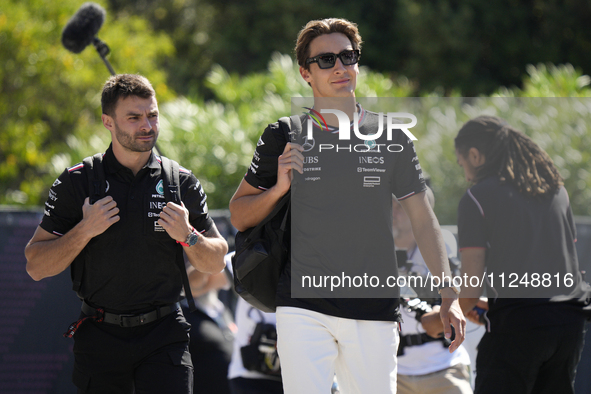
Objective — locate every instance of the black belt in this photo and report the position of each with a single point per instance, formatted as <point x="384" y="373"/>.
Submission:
<point x="417" y="339"/>
<point x="131" y="320"/>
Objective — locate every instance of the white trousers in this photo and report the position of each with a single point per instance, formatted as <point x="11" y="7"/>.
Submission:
<point x="313" y="346"/>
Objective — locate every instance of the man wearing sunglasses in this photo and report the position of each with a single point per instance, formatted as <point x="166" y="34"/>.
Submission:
<point x="355" y="337"/>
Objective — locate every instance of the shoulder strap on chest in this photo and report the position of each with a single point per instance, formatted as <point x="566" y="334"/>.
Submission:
<point x="170" y="180"/>
<point x="95" y="172"/>
<point x="97" y="186"/>
<point x="291" y="126"/>
<point x="172" y="193"/>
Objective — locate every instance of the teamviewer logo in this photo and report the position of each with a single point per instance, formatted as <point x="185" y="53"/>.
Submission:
<point x="371" y="181"/>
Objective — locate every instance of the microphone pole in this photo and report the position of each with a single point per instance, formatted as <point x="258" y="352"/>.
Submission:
<point x="82" y="29"/>
<point x="103" y="50"/>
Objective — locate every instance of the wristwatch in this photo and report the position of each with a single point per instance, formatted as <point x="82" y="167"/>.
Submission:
<point x="192" y="238"/>
<point x="449" y="284"/>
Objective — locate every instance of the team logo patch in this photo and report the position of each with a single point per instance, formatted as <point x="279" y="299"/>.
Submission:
<point x="371" y="181"/>
<point x="370" y="144"/>
<point x="308" y="144"/>
<point x="160" y="188"/>
<point x="57" y="182"/>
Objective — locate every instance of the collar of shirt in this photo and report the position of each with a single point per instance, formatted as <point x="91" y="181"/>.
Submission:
<point x="113" y="166"/>
<point x="334" y="130"/>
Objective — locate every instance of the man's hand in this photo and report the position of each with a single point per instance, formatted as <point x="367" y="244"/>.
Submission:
<point x="473" y="315"/>
<point x="174" y="219"/>
<point x="290" y="159"/>
<point x="451" y="313"/>
<point x="431" y="322"/>
<point x="98" y="217"/>
<point x="207" y="255"/>
<point x="49" y="254"/>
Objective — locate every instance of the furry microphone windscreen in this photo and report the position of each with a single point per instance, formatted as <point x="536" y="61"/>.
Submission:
<point x="83" y="27"/>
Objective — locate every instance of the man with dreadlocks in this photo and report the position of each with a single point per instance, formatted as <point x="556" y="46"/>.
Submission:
<point x="516" y="220"/>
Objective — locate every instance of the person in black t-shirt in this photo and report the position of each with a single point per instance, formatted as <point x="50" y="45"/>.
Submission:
<point x="341" y="217"/>
<point x="516" y="222"/>
<point x="131" y="336"/>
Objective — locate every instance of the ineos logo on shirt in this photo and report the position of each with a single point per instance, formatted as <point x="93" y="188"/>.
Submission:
<point x="157" y="204"/>
<point x="371" y="160"/>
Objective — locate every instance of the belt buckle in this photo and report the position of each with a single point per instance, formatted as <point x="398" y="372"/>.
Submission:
<point x="123" y="318"/>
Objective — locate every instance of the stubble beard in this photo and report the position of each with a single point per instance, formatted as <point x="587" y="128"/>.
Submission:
<point x="131" y="144"/>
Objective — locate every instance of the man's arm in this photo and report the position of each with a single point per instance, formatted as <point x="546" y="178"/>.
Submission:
<point x="430" y="241"/>
<point x="203" y="283"/>
<point x="473" y="260"/>
<point x="49" y="254"/>
<point x="250" y="205"/>
<point x="207" y="255"/>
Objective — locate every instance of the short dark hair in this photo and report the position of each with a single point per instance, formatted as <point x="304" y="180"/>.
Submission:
<point x="509" y="154"/>
<point x="122" y="86"/>
<point x="320" y="27"/>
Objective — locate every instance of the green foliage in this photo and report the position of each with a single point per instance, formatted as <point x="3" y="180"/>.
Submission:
<point x="476" y="46"/>
<point x="555" y="81"/>
<point x="50" y="98"/>
<point x="471" y="46"/>
<point x="560" y="125"/>
<point x="189" y="24"/>
<point x="216" y="139"/>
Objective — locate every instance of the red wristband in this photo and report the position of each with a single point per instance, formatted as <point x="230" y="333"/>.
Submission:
<point x="183" y="243"/>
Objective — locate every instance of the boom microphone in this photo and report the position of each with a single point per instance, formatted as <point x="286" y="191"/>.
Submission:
<point x="81" y="29"/>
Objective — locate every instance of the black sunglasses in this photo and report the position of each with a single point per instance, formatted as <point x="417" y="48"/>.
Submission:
<point x="327" y="60"/>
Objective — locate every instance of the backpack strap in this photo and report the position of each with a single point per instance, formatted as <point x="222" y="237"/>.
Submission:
<point x="171" y="185"/>
<point x="97" y="186"/>
<point x="292" y="127"/>
<point x="96" y="177"/>
<point x="170" y="180"/>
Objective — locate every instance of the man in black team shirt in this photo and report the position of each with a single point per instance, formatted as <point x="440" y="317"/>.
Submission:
<point x="516" y="221"/>
<point x="337" y="193"/>
<point x="131" y="336"/>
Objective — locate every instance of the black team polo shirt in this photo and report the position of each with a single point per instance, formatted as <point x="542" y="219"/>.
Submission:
<point x="131" y="266"/>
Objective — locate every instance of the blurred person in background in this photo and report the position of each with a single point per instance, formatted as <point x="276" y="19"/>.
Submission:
<point x="212" y="332"/>
<point x="259" y="372"/>
<point x="425" y="366"/>
<point x="516" y="220"/>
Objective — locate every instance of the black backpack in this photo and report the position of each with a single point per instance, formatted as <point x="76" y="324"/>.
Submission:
<point x="97" y="186"/>
<point x="262" y="251"/>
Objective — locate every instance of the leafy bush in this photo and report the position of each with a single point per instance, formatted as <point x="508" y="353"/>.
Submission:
<point x="50" y="98"/>
<point x="216" y="139"/>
